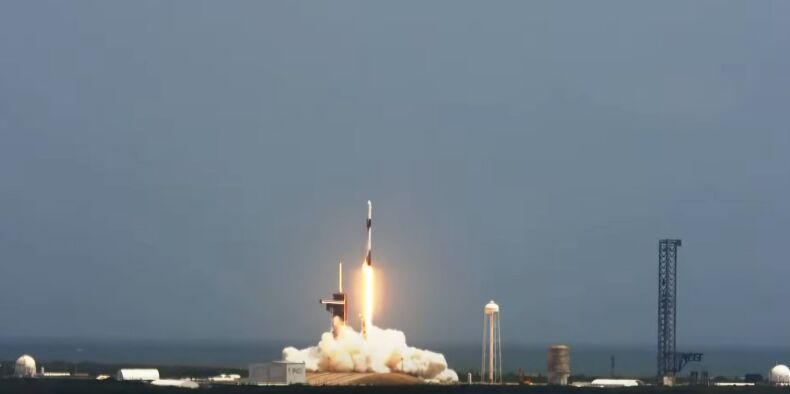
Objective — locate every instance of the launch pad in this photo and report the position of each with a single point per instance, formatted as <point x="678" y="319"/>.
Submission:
<point x="370" y="355"/>
<point x="361" y="379"/>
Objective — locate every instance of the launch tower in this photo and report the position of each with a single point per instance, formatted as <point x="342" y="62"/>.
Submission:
<point x="669" y="361"/>
<point x="338" y="305"/>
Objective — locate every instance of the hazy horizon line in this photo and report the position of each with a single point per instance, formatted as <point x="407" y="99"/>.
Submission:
<point x="5" y="340"/>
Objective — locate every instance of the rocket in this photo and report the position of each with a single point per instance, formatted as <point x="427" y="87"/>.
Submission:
<point x="367" y="270"/>
<point x="368" y="257"/>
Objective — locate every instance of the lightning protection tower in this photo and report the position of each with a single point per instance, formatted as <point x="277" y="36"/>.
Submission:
<point x="667" y="311"/>
<point x="492" y="345"/>
<point x="670" y="362"/>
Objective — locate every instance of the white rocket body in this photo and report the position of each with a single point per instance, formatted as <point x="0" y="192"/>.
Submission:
<point x="368" y="256"/>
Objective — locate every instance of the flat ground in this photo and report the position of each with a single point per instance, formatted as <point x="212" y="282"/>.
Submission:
<point x="356" y="378"/>
<point x="65" y="386"/>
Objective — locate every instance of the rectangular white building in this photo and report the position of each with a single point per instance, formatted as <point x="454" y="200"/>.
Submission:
<point x="616" y="383"/>
<point x="277" y="373"/>
<point x="140" y="374"/>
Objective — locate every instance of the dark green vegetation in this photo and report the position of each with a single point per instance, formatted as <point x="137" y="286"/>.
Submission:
<point x="52" y="386"/>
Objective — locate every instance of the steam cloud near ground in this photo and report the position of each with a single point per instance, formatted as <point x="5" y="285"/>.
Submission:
<point x="385" y="350"/>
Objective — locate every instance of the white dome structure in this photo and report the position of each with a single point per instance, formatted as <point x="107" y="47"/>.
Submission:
<point x="25" y="367"/>
<point x="779" y="375"/>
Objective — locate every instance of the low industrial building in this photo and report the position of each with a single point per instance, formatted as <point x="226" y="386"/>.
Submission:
<point x="224" y="378"/>
<point x="277" y="373"/>
<point x="44" y="374"/>
<point x="616" y="383"/>
<point x="137" y="374"/>
<point x="184" y="384"/>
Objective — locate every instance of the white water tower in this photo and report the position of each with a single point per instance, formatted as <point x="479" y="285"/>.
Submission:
<point x="492" y="345"/>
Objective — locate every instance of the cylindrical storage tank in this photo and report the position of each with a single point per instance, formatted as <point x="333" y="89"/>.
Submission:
<point x="779" y="375"/>
<point x="559" y="365"/>
<point x="25" y="367"/>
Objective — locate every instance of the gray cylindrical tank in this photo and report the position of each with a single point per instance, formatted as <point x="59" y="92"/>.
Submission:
<point x="559" y="364"/>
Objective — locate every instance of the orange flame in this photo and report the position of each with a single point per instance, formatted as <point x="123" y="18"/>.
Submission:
<point x="367" y="317"/>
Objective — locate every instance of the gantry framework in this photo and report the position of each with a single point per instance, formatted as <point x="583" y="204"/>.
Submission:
<point x="667" y="303"/>
<point x="670" y="362"/>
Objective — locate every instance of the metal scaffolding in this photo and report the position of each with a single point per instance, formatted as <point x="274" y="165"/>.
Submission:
<point x="670" y="362"/>
<point x="667" y="302"/>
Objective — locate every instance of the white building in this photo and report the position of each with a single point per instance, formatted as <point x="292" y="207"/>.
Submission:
<point x="277" y="373"/>
<point x="225" y="378"/>
<point x="55" y="374"/>
<point x="616" y="383"/>
<point x="139" y="374"/>
<point x="25" y="367"/>
<point x="779" y="375"/>
<point x="184" y="384"/>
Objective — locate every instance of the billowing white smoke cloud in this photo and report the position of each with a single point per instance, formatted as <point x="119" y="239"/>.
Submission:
<point x="385" y="350"/>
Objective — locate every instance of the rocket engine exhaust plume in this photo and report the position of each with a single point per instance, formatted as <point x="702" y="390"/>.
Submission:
<point x="373" y="349"/>
<point x="367" y="316"/>
<point x="382" y="351"/>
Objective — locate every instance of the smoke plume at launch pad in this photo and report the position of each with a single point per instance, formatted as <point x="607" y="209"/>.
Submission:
<point x="373" y="349"/>
<point x="382" y="351"/>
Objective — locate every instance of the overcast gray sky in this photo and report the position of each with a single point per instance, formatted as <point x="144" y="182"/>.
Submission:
<point x="195" y="169"/>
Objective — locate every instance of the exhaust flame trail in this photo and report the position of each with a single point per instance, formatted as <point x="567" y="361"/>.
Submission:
<point x="367" y="316"/>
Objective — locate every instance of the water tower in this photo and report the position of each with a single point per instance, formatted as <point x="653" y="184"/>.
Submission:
<point x="559" y="365"/>
<point x="492" y="345"/>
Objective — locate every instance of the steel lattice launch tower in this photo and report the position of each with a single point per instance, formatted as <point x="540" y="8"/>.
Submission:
<point x="670" y="362"/>
<point x="667" y="312"/>
<point x="338" y="305"/>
